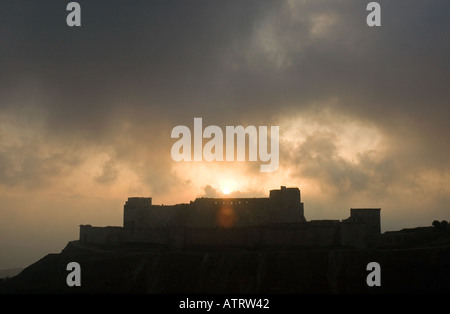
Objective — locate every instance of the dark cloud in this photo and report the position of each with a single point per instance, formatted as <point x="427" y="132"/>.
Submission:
<point x="318" y="159"/>
<point x="218" y="57"/>
<point x="109" y="173"/>
<point x="210" y="191"/>
<point x="156" y="65"/>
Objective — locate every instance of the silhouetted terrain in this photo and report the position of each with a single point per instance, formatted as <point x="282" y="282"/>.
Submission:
<point x="419" y="265"/>
<point x="5" y="273"/>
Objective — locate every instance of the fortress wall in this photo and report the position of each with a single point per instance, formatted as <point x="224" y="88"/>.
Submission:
<point x="176" y="238"/>
<point x="167" y="228"/>
<point x="151" y="235"/>
<point x="276" y="221"/>
<point x="101" y="235"/>
<point x="325" y="232"/>
<point x="301" y="235"/>
<point x="201" y="214"/>
<point x="118" y="235"/>
<point x="353" y="234"/>
<point x="238" y="212"/>
<point x="140" y="214"/>
<point x="327" y="236"/>
<point x="347" y="234"/>
<point x="260" y="214"/>
<point x="282" y="237"/>
<point x="233" y="237"/>
<point x="137" y="217"/>
<point x="291" y="214"/>
<point x="282" y="206"/>
<point x="374" y="239"/>
<point x="161" y="216"/>
<point x="394" y="238"/>
<point x="253" y="237"/>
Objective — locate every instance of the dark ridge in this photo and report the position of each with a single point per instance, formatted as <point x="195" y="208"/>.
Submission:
<point x="419" y="268"/>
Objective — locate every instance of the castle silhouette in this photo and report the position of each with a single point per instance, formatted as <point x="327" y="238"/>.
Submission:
<point x="276" y="221"/>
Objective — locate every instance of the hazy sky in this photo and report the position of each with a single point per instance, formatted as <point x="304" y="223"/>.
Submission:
<point x="86" y="113"/>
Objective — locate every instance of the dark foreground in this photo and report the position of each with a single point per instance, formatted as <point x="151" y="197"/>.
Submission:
<point x="216" y="271"/>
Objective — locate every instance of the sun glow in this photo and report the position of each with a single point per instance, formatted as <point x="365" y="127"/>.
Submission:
<point x="226" y="190"/>
<point x="227" y="187"/>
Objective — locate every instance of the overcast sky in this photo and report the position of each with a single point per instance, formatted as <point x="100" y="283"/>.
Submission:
<point x="86" y="112"/>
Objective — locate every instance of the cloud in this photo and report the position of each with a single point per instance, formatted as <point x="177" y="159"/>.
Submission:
<point x="210" y="191"/>
<point x="109" y="173"/>
<point x="86" y="114"/>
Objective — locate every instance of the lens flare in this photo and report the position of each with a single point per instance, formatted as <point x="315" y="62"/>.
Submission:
<point x="226" y="217"/>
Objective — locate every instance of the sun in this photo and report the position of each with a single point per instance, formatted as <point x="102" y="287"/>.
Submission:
<point x="227" y="186"/>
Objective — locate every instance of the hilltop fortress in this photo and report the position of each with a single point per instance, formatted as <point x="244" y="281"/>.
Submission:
<point x="276" y="221"/>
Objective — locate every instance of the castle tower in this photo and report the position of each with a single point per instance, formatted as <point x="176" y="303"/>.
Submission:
<point x="369" y="216"/>
<point x="133" y="211"/>
<point x="289" y="202"/>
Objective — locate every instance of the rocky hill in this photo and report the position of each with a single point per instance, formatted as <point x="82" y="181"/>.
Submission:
<point x="420" y="269"/>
